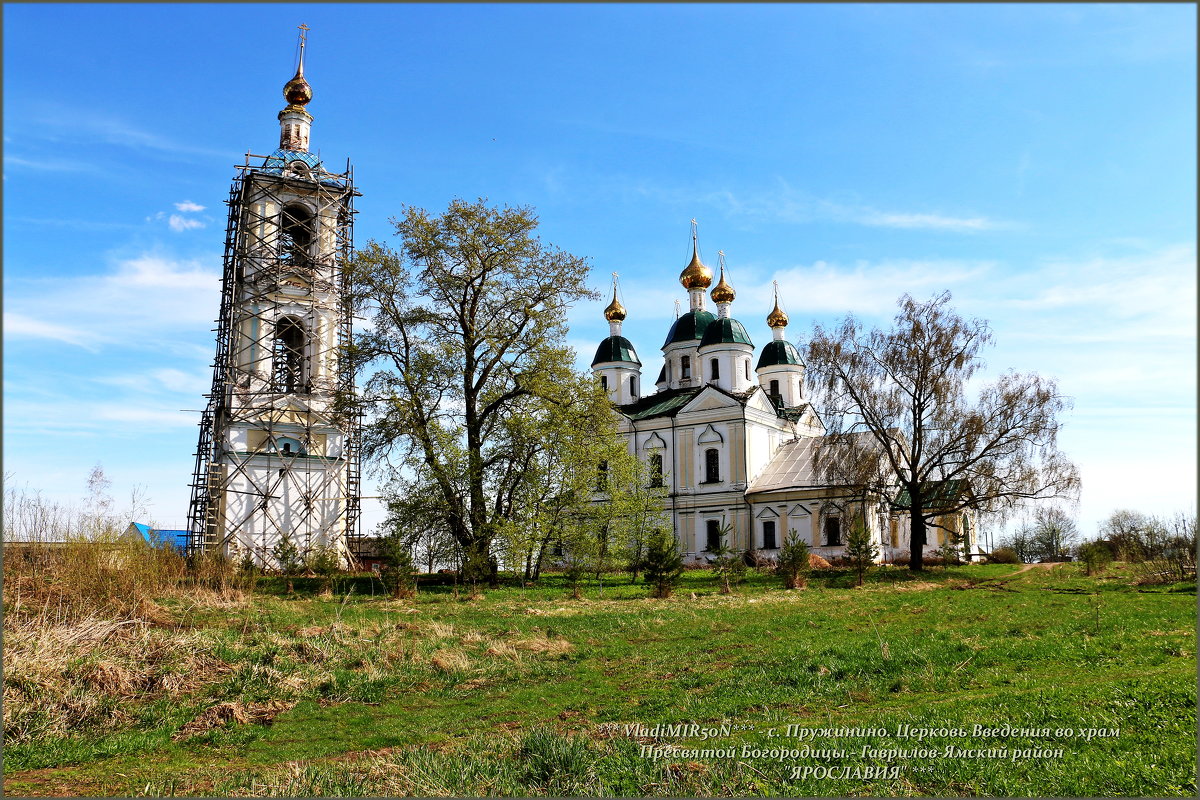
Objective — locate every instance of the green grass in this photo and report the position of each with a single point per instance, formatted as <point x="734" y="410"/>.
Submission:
<point x="523" y="691"/>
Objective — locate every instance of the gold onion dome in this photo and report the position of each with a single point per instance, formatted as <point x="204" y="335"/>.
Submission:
<point x="615" y="311"/>
<point x="696" y="275"/>
<point x="297" y="91"/>
<point x="723" y="292"/>
<point x="777" y="318"/>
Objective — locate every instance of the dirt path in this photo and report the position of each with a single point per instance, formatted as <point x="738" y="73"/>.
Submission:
<point x="1027" y="567"/>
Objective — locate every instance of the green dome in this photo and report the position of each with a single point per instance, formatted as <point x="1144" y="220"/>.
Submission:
<point x="777" y="353"/>
<point x="725" y="331"/>
<point x="689" y="326"/>
<point x="615" y="348"/>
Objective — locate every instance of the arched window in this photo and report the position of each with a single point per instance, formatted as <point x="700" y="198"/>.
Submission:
<point x="715" y="368"/>
<point x="712" y="465"/>
<point x="633" y="386"/>
<point x="287" y="355"/>
<point x="685" y="367"/>
<point x="774" y="388"/>
<point x="712" y="535"/>
<point x="296" y="228"/>
<point x="656" y="469"/>
<point x="603" y="381"/>
<point x="746" y="363"/>
<point x="602" y="476"/>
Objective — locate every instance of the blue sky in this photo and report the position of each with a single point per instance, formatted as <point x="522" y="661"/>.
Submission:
<point x="1038" y="161"/>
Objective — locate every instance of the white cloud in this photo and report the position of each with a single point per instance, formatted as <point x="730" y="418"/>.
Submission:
<point x="865" y="287"/>
<point x="179" y="224"/>
<point x="49" y="164"/>
<point x="21" y="326"/>
<point x="149" y="301"/>
<point x="784" y="203"/>
<point x="145" y="416"/>
<point x="926" y="221"/>
<point x="189" y="207"/>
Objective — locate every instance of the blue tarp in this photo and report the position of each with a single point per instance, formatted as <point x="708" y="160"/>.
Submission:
<point x="162" y="538"/>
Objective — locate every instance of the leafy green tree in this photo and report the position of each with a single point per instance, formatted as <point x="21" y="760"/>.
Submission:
<point x="861" y="551"/>
<point x="662" y="564"/>
<point x="896" y="410"/>
<point x="793" y="563"/>
<point x="557" y="500"/>
<point x="466" y="320"/>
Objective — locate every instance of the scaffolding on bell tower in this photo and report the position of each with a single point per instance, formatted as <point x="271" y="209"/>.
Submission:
<point x="278" y="453"/>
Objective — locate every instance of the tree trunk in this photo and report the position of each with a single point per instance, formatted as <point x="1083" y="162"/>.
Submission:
<point x="916" y="560"/>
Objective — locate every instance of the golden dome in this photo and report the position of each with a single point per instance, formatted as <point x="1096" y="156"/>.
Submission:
<point x="615" y="311"/>
<point x="696" y="275"/>
<point x="297" y="91"/>
<point x="777" y="318"/>
<point x="723" y="292"/>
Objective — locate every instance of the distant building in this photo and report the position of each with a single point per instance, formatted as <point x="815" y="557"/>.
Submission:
<point x="139" y="533"/>
<point x="732" y="438"/>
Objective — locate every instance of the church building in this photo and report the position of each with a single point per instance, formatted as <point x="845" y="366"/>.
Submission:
<point x="730" y="435"/>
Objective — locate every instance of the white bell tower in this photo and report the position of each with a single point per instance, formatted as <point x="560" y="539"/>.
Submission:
<point x="277" y="461"/>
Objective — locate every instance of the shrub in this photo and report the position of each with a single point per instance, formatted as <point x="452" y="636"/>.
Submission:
<point x="1003" y="555"/>
<point x="397" y="573"/>
<point x="287" y="558"/>
<point x="1094" y="555"/>
<point x="325" y="562"/>
<point x="794" y="562"/>
<point x="728" y="566"/>
<point x="861" y="551"/>
<point x="756" y="559"/>
<point x="662" y="564"/>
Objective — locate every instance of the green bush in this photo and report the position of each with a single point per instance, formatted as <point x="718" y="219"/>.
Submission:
<point x="793" y="564"/>
<point x="662" y="564"/>
<point x="1094" y="555"/>
<point x="1003" y="555"/>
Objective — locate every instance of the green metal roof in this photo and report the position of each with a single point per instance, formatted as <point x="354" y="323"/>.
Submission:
<point x="689" y="326"/>
<point x="725" y="331"/>
<point x="936" y="492"/>
<point x="615" y="348"/>
<point x="661" y="404"/>
<point x="779" y="352"/>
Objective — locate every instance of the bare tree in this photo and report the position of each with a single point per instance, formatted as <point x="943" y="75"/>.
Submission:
<point x="1054" y="534"/>
<point x="905" y="389"/>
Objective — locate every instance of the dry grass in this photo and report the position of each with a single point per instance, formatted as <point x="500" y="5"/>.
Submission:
<point x="222" y="714"/>
<point x="543" y="644"/>
<point x="60" y="676"/>
<point x="450" y="660"/>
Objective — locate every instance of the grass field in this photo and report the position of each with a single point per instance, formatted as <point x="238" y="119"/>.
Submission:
<point x="527" y="692"/>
